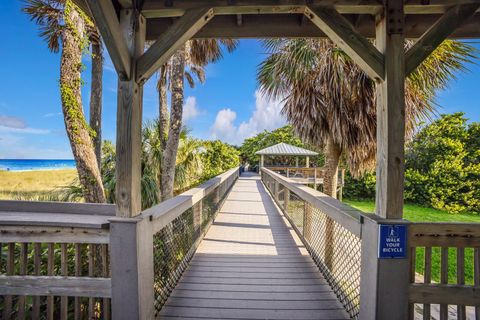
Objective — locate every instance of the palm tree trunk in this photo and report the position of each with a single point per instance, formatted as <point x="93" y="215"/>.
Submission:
<point x="75" y="123"/>
<point x="163" y="109"/>
<point x="170" y="152"/>
<point x="162" y="119"/>
<point x="332" y="158"/>
<point x="96" y="98"/>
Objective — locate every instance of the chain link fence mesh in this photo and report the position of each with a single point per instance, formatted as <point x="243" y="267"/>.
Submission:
<point x="335" y="250"/>
<point x="175" y="244"/>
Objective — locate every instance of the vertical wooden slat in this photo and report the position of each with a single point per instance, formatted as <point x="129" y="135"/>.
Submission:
<point x="50" y="265"/>
<point x="78" y="272"/>
<point x="444" y="280"/>
<point x="64" y="272"/>
<point x="91" y="250"/>
<point x="427" y="277"/>
<point x="106" y="301"/>
<point x="476" y="275"/>
<point x="36" y="269"/>
<point x="413" y="259"/>
<point x="461" y="312"/>
<point x="23" y="271"/>
<point x="7" y="311"/>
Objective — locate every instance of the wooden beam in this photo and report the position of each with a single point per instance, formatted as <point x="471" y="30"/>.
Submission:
<point x="166" y="45"/>
<point x="107" y="23"/>
<point x="129" y="123"/>
<point x="342" y="33"/>
<point x="434" y="36"/>
<point x="391" y="113"/>
<point x="453" y="294"/>
<point x="55" y="286"/>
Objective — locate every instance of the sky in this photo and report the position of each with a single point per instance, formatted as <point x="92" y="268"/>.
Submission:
<point x="228" y="106"/>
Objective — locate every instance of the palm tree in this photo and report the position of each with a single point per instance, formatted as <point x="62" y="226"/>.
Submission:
<point x="330" y="101"/>
<point x="96" y="92"/>
<point x="61" y="21"/>
<point x="195" y="54"/>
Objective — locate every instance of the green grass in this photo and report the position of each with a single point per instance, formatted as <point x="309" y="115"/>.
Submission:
<point x="421" y="214"/>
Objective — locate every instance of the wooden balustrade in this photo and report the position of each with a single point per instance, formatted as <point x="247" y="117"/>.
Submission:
<point x="445" y="240"/>
<point x="58" y="255"/>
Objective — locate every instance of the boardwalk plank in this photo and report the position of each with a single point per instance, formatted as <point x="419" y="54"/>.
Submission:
<point x="252" y="265"/>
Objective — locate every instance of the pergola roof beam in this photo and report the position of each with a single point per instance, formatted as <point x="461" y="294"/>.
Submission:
<point x="434" y="36"/>
<point x="343" y="34"/>
<point x="107" y="23"/>
<point x="182" y="30"/>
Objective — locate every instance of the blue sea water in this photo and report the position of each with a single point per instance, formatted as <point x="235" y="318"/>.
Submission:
<point x="35" y="164"/>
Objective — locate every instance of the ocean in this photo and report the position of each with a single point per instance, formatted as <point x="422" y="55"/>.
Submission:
<point x="35" y="164"/>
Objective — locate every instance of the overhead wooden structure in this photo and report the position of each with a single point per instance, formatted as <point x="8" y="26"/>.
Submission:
<point x="126" y="25"/>
<point x="285" y="149"/>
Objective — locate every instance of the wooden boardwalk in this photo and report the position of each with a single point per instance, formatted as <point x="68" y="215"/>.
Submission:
<point x="251" y="265"/>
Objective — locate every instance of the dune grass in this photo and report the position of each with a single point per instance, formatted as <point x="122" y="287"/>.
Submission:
<point x="417" y="213"/>
<point x="34" y="185"/>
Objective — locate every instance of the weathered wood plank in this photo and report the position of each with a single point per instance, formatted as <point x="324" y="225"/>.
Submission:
<point x="34" y="207"/>
<point x="440" y="234"/>
<point x="129" y="123"/>
<point x="433" y="37"/>
<point x="50" y="266"/>
<point x="391" y="113"/>
<point x="166" y="45"/>
<point x="343" y="34"/>
<point x="64" y="272"/>
<point x="219" y="313"/>
<point x="30" y="219"/>
<point x="461" y="311"/>
<point x="55" y="286"/>
<point x="25" y="234"/>
<point x="444" y="294"/>
<point x="427" y="277"/>
<point x="252" y="266"/>
<point x="107" y="23"/>
<point x="444" y="280"/>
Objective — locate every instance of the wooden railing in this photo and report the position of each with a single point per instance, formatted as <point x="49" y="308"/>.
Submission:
<point x="54" y="260"/>
<point x="458" y="281"/>
<point x="330" y="230"/>
<point x="151" y="251"/>
<point x="312" y="175"/>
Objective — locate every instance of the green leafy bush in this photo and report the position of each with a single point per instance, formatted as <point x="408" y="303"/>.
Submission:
<point x="362" y="188"/>
<point x="443" y="165"/>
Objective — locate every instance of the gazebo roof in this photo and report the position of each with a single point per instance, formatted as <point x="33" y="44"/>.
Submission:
<point x="284" y="149"/>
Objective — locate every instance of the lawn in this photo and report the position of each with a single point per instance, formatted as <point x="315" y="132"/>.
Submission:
<point x="421" y="214"/>
<point x="34" y="185"/>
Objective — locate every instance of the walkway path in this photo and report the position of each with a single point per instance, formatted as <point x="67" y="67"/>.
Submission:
<point x="251" y="265"/>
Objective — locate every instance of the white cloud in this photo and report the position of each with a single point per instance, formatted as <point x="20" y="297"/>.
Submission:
<point x="17" y="147"/>
<point x="190" y="109"/>
<point x="9" y="124"/>
<point x="266" y="116"/>
<point x="52" y="114"/>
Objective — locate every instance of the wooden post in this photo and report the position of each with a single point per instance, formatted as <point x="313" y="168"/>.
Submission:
<point x="296" y="162"/>
<point x="307" y="162"/>
<point x="315" y="178"/>
<point x="197" y="217"/>
<point x="131" y="256"/>
<point x="307" y="222"/>
<point x="261" y="161"/>
<point x="129" y="121"/>
<point x="286" y="199"/>
<point x="391" y="112"/>
<point x="384" y="282"/>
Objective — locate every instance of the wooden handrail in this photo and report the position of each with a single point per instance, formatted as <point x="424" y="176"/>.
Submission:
<point x="350" y="218"/>
<point x="167" y="211"/>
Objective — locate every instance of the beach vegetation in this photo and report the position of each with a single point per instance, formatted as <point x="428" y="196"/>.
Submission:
<point x="330" y="101"/>
<point x="66" y="29"/>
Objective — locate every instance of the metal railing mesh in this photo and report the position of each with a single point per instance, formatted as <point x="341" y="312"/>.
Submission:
<point x="175" y="244"/>
<point x="335" y="250"/>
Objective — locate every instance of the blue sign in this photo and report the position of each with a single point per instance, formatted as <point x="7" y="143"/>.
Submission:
<point x="392" y="241"/>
